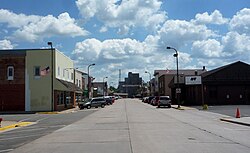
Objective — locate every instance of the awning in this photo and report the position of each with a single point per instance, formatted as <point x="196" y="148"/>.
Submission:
<point x="70" y="86"/>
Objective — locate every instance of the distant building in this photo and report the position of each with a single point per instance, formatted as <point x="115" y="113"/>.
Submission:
<point x="131" y="85"/>
<point x="164" y="77"/>
<point x="100" y="89"/>
<point x="36" y="80"/>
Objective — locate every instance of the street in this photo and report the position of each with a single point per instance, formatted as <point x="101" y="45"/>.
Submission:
<point x="44" y="124"/>
<point x="130" y="126"/>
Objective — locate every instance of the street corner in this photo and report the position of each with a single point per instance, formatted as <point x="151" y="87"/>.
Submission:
<point x="8" y="125"/>
<point x="242" y="121"/>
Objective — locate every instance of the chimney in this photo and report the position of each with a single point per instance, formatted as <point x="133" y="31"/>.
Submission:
<point x="203" y="68"/>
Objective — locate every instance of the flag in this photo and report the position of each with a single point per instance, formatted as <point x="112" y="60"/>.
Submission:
<point x="45" y="71"/>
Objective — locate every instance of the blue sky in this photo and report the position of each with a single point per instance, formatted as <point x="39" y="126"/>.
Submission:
<point x="131" y="35"/>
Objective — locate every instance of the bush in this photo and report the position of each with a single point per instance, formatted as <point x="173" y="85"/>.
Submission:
<point x="205" y="107"/>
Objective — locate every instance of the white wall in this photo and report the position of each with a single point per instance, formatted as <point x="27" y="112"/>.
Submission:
<point x="64" y="67"/>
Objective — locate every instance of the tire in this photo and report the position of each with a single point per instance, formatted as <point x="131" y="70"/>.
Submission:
<point x="102" y="106"/>
<point x="169" y="106"/>
<point x="88" y="107"/>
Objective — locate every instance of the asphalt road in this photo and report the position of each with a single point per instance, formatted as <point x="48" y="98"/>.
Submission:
<point x="45" y="124"/>
<point x="130" y="126"/>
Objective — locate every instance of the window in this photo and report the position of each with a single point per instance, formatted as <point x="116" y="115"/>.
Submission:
<point x="79" y="83"/>
<point x="72" y="76"/>
<point x="58" y="71"/>
<point x="10" y="73"/>
<point x="37" y="70"/>
<point x="68" y="74"/>
<point x="63" y="72"/>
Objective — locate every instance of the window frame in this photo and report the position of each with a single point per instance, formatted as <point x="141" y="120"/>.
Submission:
<point x="10" y="77"/>
<point x="35" y="71"/>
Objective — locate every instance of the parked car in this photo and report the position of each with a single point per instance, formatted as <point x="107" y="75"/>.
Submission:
<point x="109" y="100"/>
<point x="164" y="101"/>
<point x="94" y="102"/>
<point x="149" y="99"/>
<point x="144" y="99"/>
<point x="154" y="101"/>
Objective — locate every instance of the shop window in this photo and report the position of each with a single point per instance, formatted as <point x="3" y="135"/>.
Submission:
<point x="10" y="73"/>
<point x="68" y="98"/>
<point x="61" y="98"/>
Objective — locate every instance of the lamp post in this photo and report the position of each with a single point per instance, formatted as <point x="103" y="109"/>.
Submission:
<point x="104" y="85"/>
<point x="178" y="90"/>
<point x="149" y="82"/>
<point x="52" y="75"/>
<point x="89" y="80"/>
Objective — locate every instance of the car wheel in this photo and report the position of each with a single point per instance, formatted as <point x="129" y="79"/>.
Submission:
<point x="88" y="107"/>
<point x="102" y="105"/>
<point x="169" y="106"/>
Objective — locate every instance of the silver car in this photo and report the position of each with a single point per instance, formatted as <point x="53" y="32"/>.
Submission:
<point x="94" y="102"/>
<point x="164" y="101"/>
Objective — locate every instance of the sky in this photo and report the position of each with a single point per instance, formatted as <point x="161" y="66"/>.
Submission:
<point x="131" y="35"/>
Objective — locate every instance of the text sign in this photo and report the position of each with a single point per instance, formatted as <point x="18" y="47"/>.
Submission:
<point x="193" y="80"/>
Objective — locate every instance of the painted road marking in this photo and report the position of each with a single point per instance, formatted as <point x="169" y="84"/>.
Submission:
<point x="6" y="150"/>
<point x="19" y="124"/>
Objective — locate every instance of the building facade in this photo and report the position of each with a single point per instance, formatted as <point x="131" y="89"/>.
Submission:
<point x="132" y="85"/>
<point x="226" y="85"/>
<point x="44" y="79"/>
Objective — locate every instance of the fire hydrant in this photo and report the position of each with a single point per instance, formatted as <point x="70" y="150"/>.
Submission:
<point x="0" y="121"/>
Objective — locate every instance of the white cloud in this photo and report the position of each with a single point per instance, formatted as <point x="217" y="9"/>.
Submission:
<point x="236" y="44"/>
<point x="126" y="54"/>
<point x="179" y="32"/>
<point x="17" y="20"/>
<point x="210" y="48"/>
<point x="32" y="28"/>
<point x="126" y="15"/>
<point x="6" y="44"/>
<point x="215" y="18"/>
<point x="103" y="29"/>
<point x="241" y="22"/>
<point x="87" y="50"/>
<point x="49" y="26"/>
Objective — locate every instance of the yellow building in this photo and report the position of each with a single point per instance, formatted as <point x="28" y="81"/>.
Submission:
<point x="37" y="75"/>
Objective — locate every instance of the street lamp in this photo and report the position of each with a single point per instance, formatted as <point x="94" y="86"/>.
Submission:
<point x="149" y="82"/>
<point x="52" y="76"/>
<point x="104" y="84"/>
<point x="89" y="80"/>
<point x="178" y="90"/>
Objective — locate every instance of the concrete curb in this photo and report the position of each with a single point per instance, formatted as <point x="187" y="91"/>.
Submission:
<point x="12" y="126"/>
<point x="183" y="108"/>
<point x="233" y="121"/>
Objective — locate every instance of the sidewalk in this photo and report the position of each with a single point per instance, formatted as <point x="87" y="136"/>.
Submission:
<point x="242" y="121"/>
